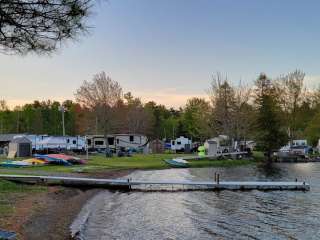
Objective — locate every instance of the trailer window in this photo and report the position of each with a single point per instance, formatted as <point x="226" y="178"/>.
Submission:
<point x="99" y="142"/>
<point x="131" y="138"/>
<point x="111" y="140"/>
<point x="117" y="141"/>
<point x="179" y="143"/>
<point x="68" y="140"/>
<point x="89" y="141"/>
<point x="173" y="142"/>
<point x="74" y="142"/>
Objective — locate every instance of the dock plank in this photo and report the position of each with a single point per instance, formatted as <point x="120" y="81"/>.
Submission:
<point x="202" y="185"/>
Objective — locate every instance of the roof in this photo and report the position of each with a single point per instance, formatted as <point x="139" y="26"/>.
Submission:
<point x="21" y="139"/>
<point x="9" y="137"/>
<point x="52" y="141"/>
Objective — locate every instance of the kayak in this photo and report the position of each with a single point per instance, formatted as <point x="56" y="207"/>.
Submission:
<point x="34" y="161"/>
<point x="10" y="163"/>
<point x="177" y="162"/>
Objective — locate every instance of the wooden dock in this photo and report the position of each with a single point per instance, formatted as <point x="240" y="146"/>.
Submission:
<point x="130" y="184"/>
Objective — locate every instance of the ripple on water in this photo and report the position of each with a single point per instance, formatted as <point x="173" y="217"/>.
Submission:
<point x="208" y="215"/>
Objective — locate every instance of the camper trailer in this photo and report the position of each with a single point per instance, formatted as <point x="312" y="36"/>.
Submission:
<point x="69" y="143"/>
<point x="117" y="141"/>
<point x="46" y="142"/>
<point x="181" y="144"/>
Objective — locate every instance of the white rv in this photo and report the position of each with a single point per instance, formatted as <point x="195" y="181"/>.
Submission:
<point x="116" y="141"/>
<point x="181" y="144"/>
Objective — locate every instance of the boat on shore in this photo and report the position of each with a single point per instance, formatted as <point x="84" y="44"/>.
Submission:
<point x="177" y="163"/>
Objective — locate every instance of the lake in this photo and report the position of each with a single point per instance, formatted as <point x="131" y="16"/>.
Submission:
<point x="208" y="214"/>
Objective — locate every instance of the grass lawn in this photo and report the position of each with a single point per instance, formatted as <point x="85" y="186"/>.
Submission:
<point x="98" y="163"/>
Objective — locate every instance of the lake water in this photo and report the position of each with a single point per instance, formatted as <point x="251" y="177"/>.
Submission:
<point x="208" y="215"/>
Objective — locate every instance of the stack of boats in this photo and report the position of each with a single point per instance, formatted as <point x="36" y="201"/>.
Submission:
<point x="48" y="159"/>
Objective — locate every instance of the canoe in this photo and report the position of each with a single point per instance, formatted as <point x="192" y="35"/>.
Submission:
<point x="177" y="163"/>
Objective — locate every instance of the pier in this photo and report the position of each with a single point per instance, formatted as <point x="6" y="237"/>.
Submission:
<point x="129" y="184"/>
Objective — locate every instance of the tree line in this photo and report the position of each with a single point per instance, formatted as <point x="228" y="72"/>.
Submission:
<point x="272" y="110"/>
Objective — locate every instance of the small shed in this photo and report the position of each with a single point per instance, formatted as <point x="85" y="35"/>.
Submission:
<point x="20" y="147"/>
<point x="157" y="146"/>
<point x="211" y="146"/>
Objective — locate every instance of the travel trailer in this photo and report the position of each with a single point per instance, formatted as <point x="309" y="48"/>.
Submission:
<point x="181" y="144"/>
<point x="46" y="142"/>
<point x="117" y="141"/>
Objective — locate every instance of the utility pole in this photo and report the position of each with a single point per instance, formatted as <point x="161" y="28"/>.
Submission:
<point x="96" y="125"/>
<point x="63" y="127"/>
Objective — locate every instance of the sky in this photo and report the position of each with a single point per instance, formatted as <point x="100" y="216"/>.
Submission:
<point x="167" y="50"/>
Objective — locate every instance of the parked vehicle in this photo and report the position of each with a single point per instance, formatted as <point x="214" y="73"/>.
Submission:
<point x="181" y="144"/>
<point x="134" y="142"/>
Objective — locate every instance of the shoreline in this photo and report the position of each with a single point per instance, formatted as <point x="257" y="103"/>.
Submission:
<point x="49" y="214"/>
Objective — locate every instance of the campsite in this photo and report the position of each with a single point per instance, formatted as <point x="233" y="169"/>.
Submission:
<point x="165" y="119"/>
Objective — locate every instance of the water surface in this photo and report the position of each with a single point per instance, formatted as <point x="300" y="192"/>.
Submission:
<point x="208" y="215"/>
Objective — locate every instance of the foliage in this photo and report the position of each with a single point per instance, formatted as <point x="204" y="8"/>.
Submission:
<point x="281" y="104"/>
<point x="39" y="26"/>
<point x="269" y="127"/>
<point x="196" y="119"/>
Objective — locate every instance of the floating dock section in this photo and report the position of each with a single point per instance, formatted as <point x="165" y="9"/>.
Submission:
<point x="169" y="185"/>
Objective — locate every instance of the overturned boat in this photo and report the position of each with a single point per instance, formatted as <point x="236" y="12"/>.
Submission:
<point x="177" y="162"/>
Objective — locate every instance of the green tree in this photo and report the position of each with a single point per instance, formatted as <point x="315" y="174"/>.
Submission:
<point x="270" y="133"/>
<point x="196" y="118"/>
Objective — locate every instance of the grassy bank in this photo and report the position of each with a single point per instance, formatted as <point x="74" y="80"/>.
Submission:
<point x="10" y="192"/>
<point x="100" y="163"/>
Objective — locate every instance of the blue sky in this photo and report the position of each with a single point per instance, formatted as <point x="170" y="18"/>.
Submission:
<point x="167" y="50"/>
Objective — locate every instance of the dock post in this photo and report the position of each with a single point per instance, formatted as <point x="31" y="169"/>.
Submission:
<point x="218" y="178"/>
<point x="129" y="186"/>
<point x="215" y="176"/>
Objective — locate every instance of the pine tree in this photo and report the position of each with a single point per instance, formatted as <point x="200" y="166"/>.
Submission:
<point x="271" y="134"/>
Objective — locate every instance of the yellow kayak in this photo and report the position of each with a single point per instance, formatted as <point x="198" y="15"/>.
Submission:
<point x="34" y="161"/>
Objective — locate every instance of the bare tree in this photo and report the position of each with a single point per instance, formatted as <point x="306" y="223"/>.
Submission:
<point x="138" y="120"/>
<point x="291" y="92"/>
<point x="100" y="96"/>
<point x="243" y="112"/>
<point x="222" y="96"/>
<point x="39" y="25"/>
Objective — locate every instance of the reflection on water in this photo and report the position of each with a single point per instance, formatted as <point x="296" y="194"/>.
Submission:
<point x="209" y="215"/>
